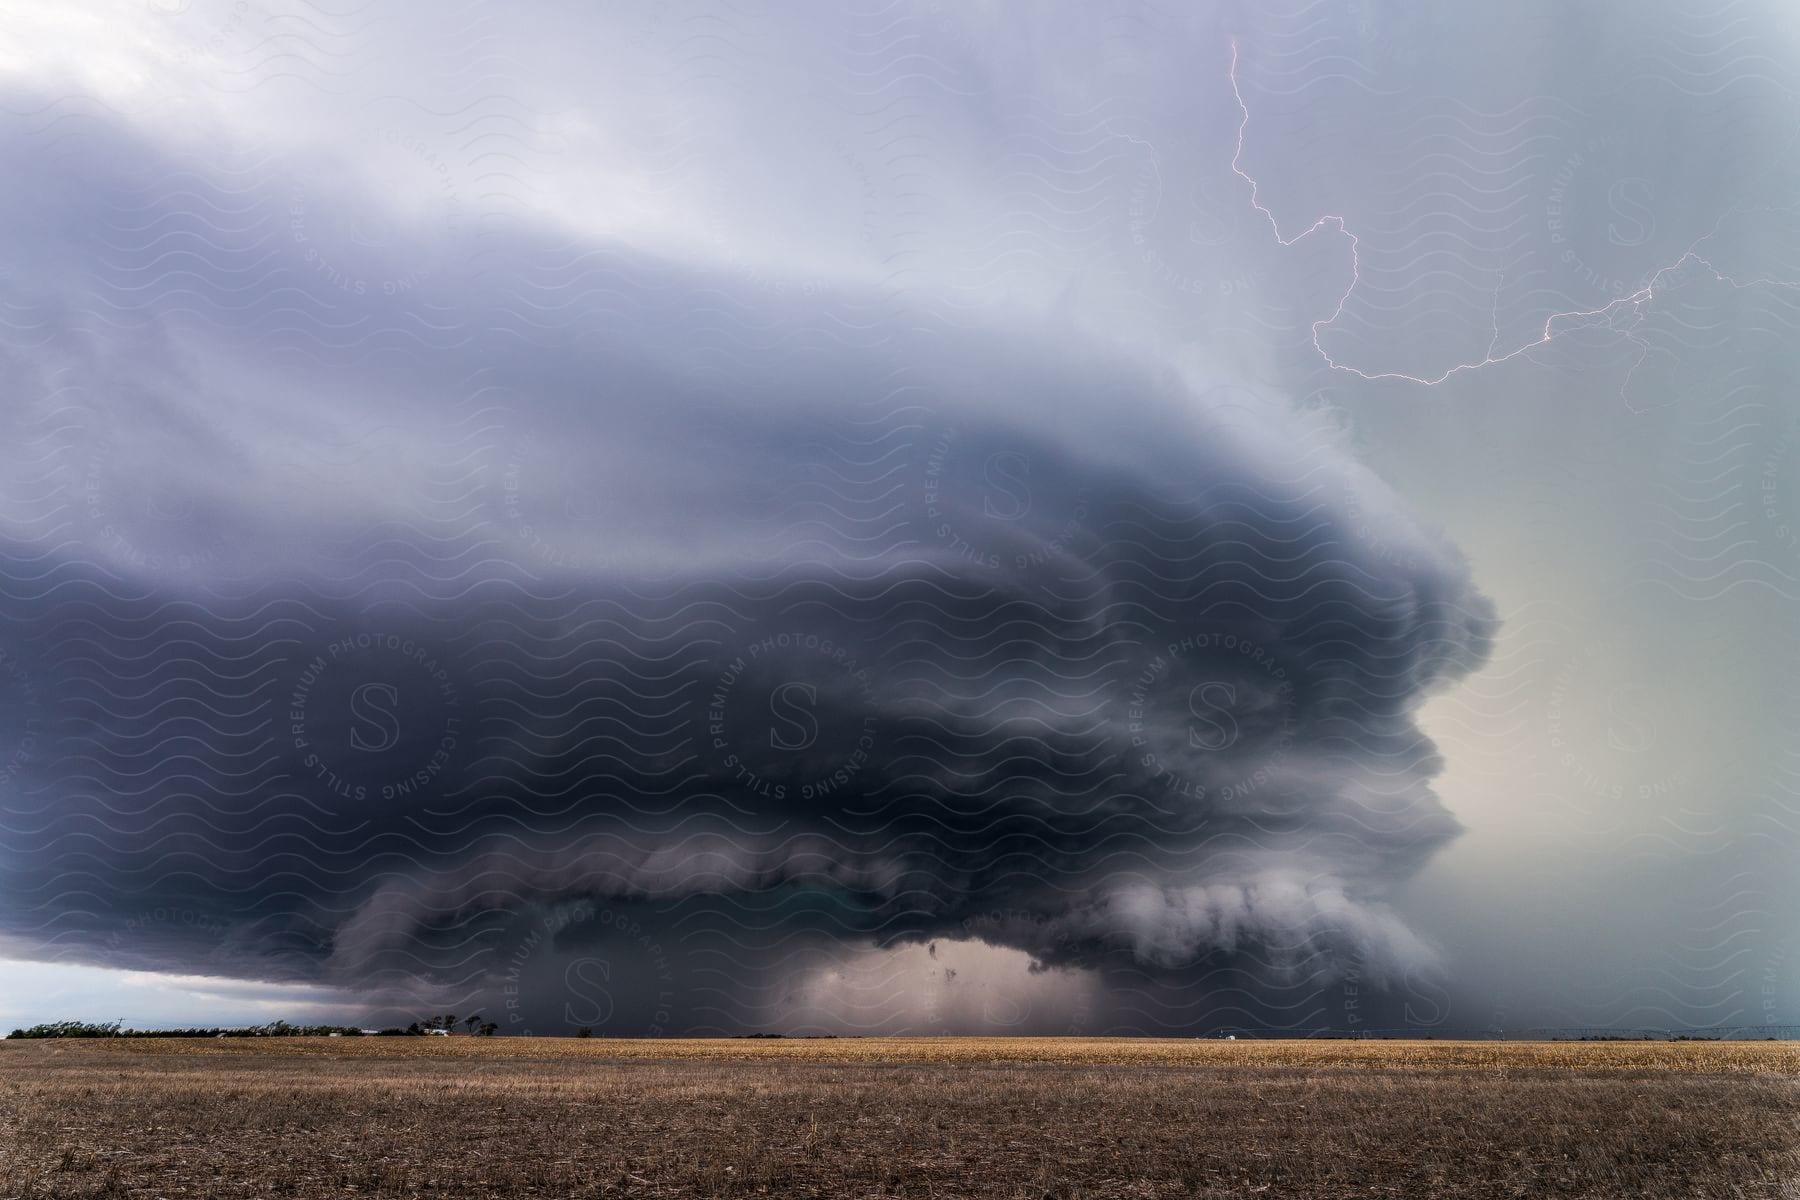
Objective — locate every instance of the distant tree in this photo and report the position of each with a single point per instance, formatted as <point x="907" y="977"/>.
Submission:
<point x="488" y="1028"/>
<point x="585" y="1031"/>
<point x="71" y="1029"/>
<point x="472" y="1022"/>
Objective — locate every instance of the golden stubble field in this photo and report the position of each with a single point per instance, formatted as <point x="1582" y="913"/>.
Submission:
<point x="1776" y="1057"/>
<point x="927" y="1117"/>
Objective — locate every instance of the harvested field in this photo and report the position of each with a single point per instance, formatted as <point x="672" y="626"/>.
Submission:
<point x="513" y="1117"/>
<point x="1761" y="1057"/>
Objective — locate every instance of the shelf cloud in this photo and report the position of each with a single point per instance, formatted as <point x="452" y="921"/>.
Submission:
<point x="559" y="612"/>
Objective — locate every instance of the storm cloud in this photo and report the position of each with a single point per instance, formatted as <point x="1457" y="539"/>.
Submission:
<point x="978" y="631"/>
<point x="437" y="601"/>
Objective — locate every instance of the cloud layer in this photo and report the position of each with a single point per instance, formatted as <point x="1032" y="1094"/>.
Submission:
<point x="448" y="606"/>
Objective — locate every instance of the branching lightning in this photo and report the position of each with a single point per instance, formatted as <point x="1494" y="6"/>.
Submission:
<point x="1635" y="301"/>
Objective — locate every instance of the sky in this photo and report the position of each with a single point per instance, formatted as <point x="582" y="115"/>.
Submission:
<point x="1097" y="518"/>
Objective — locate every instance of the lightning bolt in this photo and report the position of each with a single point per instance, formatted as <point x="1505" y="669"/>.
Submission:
<point x="1634" y="302"/>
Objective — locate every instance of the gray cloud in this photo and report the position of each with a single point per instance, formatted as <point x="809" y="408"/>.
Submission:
<point x="944" y="621"/>
<point x="683" y="536"/>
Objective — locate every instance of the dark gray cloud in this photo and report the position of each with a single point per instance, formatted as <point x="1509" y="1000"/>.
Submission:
<point x="697" y="519"/>
<point x="765" y="625"/>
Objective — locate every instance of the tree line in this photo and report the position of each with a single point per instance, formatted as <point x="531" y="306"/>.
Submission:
<point x="436" y="1023"/>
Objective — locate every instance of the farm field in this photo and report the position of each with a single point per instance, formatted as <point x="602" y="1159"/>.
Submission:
<point x="516" y="1117"/>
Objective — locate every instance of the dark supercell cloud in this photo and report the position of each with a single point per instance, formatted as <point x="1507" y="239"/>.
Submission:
<point x="595" y="637"/>
<point x="987" y="634"/>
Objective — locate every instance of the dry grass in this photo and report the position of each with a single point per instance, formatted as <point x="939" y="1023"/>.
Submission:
<point x="1781" y="1058"/>
<point x="898" y="1117"/>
